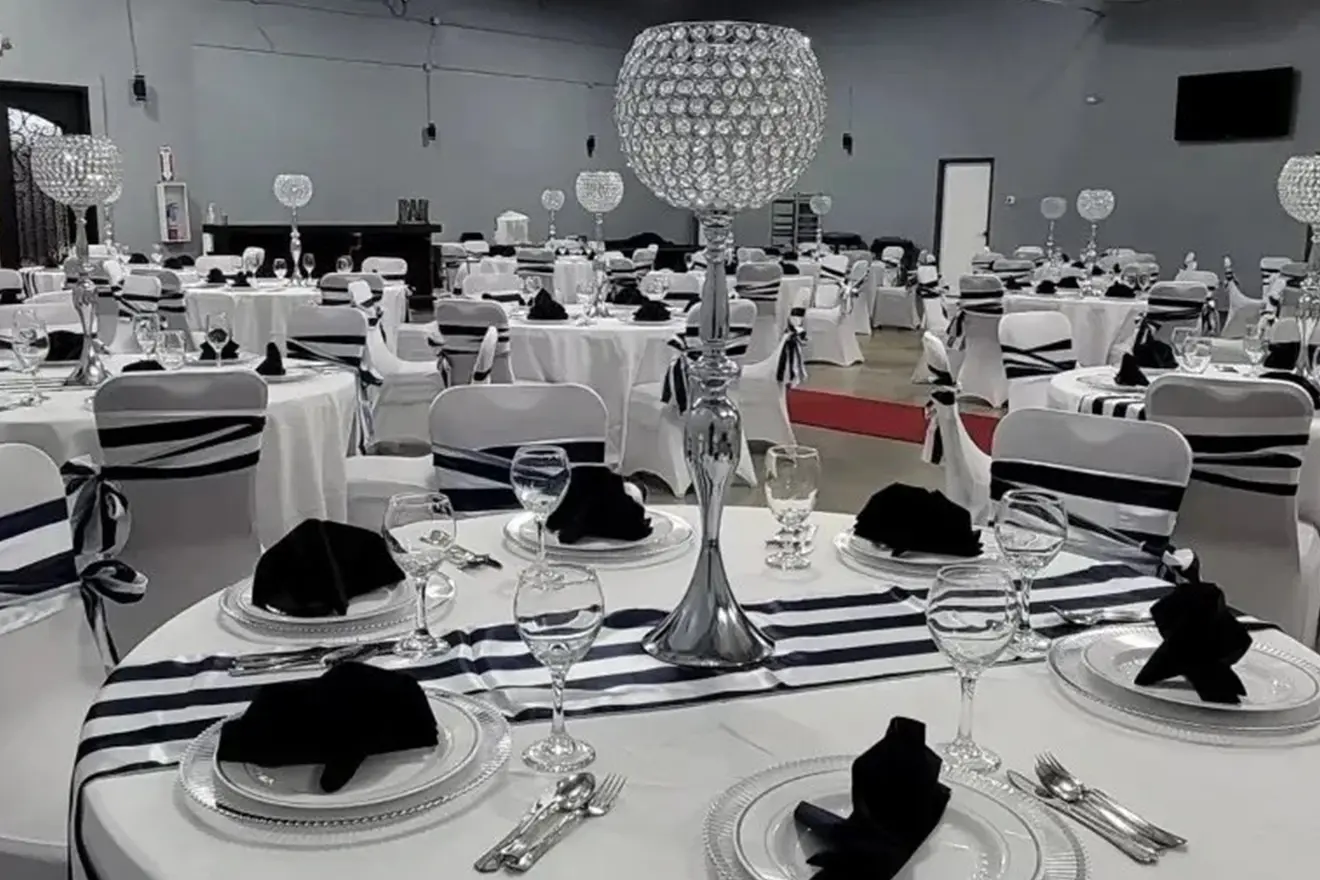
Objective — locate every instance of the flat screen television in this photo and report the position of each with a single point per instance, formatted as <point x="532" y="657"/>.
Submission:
<point x="1236" y="106"/>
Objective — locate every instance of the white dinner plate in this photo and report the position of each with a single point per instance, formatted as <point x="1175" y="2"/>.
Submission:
<point x="546" y="322"/>
<point x="1104" y="381"/>
<point x="1273" y="683"/>
<point x="391" y="601"/>
<point x="380" y="780"/>
<point x="194" y="359"/>
<point x="668" y="533"/>
<point x="988" y="831"/>
<point x="881" y="555"/>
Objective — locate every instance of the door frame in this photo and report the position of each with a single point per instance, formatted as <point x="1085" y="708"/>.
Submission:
<point x="939" y="198"/>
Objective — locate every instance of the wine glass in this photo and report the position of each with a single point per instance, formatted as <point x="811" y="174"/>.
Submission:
<point x="172" y="349"/>
<point x="31" y="344"/>
<point x="1031" y="527"/>
<point x="146" y="332"/>
<point x="217" y="333"/>
<point x="308" y="264"/>
<point x="344" y="264"/>
<point x="1197" y="354"/>
<point x="1254" y="345"/>
<point x="420" y="528"/>
<point x="558" y="618"/>
<point x="1179" y="341"/>
<point x="252" y="264"/>
<point x="971" y="612"/>
<point x="540" y="476"/>
<point x="792" y="478"/>
<point x="280" y="268"/>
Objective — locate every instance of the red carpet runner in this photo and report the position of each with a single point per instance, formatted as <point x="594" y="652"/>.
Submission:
<point x="875" y="418"/>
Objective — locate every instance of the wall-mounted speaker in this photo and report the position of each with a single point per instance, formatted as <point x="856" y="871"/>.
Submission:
<point x="591" y="145"/>
<point x="139" y="88"/>
<point x="848" y="142"/>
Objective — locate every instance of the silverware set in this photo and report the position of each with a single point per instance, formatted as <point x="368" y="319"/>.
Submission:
<point x="317" y="657"/>
<point x="1101" y="616"/>
<point x="572" y="801"/>
<point x="1136" y="837"/>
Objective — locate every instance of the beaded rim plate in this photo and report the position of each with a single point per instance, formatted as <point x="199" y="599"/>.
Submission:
<point x="743" y="816"/>
<point x="663" y="543"/>
<point x="494" y="745"/>
<point x="883" y="559"/>
<point x="235" y="602"/>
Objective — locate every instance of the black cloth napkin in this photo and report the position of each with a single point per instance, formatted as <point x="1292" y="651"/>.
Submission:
<point x="652" y="310"/>
<point x="1047" y="286"/>
<point x="146" y="365"/>
<point x="1013" y="283"/>
<point x="135" y="259"/>
<point x="1069" y="283"/>
<point x="65" y="345"/>
<point x="628" y="295"/>
<point x="228" y="353"/>
<point x="241" y="280"/>
<point x="897" y="800"/>
<point x="273" y="365"/>
<point x="315" y="569"/>
<point x="1119" y="290"/>
<point x="172" y="263"/>
<point x="338" y="720"/>
<point x="1097" y="271"/>
<point x="597" y="505"/>
<point x="790" y="268"/>
<point x="1301" y="381"/>
<point x="1129" y="373"/>
<point x="186" y="261"/>
<point x="546" y="308"/>
<point x="1078" y="264"/>
<point x="215" y="276"/>
<point x="1202" y="641"/>
<point x="1150" y="352"/>
<point x="909" y="519"/>
<point x="10" y="297"/>
<point x="1283" y="355"/>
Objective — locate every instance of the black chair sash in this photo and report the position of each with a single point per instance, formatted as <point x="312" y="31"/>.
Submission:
<point x="1268" y="464"/>
<point x="1025" y="363"/>
<point x="478" y="480"/>
<point x="943" y="392"/>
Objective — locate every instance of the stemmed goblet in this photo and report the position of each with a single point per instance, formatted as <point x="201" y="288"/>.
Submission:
<point x="146" y="332"/>
<point x="344" y="264"/>
<point x="218" y="333"/>
<point x="792" y="479"/>
<point x="971" y="613"/>
<point x="1031" y="527"/>
<point x="540" y="475"/>
<point x="309" y="266"/>
<point x="31" y="344"/>
<point x="420" y="528"/>
<point x="280" y="268"/>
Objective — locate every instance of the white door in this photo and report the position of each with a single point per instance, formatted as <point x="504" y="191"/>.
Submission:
<point x="964" y="215"/>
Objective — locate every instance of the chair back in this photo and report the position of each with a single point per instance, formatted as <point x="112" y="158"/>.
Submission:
<point x="758" y="282"/>
<point x="140" y="295"/>
<point x="984" y="261"/>
<point x="537" y="263"/>
<point x="11" y="287"/>
<point x="1037" y="346"/>
<point x="476" y="430"/>
<point x="476" y="246"/>
<point x="389" y="268"/>
<point x="229" y="264"/>
<point x="1034" y="253"/>
<point x="1019" y="270"/>
<point x="184" y="448"/>
<point x="172" y="306"/>
<point x="461" y="325"/>
<point x="947" y="444"/>
<point x="1248" y="440"/>
<point x="1270" y="268"/>
<point x="1174" y="304"/>
<point x="684" y="289"/>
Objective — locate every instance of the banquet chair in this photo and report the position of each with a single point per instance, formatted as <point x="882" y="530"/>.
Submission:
<point x="1190" y="272"/>
<point x="139" y="295"/>
<point x="895" y="300"/>
<point x="389" y="268"/>
<point x="1037" y="346"/>
<point x="1174" y="304"/>
<point x="1120" y="475"/>
<point x="452" y="257"/>
<point x="983" y="263"/>
<point x="339" y="335"/>
<point x="406" y="390"/>
<point x="1248" y="440"/>
<point x="1033" y="252"/>
<point x="172" y="306"/>
<point x="761" y="392"/>
<point x="50" y="668"/>
<point x="644" y="257"/>
<point x="980" y="305"/>
<point x="653" y="438"/>
<point x="830" y="336"/>
<point x="683" y="290"/>
<point x="475" y="246"/>
<point x="11" y="287"/>
<point x="1243" y="311"/>
<point x="1269" y="270"/>
<point x="537" y="264"/>
<point x="860" y="316"/>
<point x="460" y="326"/>
<point x="1285" y="292"/>
<point x="183" y="448"/>
<point x="229" y="264"/>
<point x="947" y="443"/>
<point x="500" y="287"/>
<point x="758" y="283"/>
<point x="475" y="432"/>
<point x="620" y="272"/>
<point x="931" y="316"/>
<point x="1018" y="270"/>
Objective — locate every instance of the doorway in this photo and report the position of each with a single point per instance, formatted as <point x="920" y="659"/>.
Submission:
<point x="32" y="227"/>
<point x="962" y="213"/>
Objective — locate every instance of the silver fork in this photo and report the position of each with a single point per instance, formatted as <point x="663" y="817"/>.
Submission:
<point x="1101" y="615"/>
<point x="601" y="803"/>
<point x="1047" y="764"/>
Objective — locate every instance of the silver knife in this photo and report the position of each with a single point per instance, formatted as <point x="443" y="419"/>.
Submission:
<point x="1138" y="852"/>
<point x="489" y="861"/>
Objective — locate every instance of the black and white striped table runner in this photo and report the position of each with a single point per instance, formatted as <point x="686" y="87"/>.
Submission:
<point x="1122" y="406"/>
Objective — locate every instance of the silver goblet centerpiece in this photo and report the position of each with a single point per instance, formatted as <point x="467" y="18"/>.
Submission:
<point x="294" y="191"/>
<point x="80" y="171"/>
<point x="820" y="206"/>
<point x="717" y="118"/>
<point x="552" y="200"/>
<point x="1094" y="205"/>
<point x="1052" y="208"/>
<point x="1299" y="194"/>
<point x="599" y="192"/>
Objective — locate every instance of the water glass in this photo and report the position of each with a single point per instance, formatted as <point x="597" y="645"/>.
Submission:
<point x="280" y="268"/>
<point x="420" y="529"/>
<point x="146" y="332"/>
<point x="1254" y="345"/>
<point x="1182" y="337"/>
<point x="1197" y="354"/>
<point x="971" y="613"/>
<point x="308" y="265"/>
<point x="792" y="479"/>
<point x="342" y="264"/>
<point x="173" y="347"/>
<point x="217" y="333"/>
<point x="1031" y="527"/>
<point x="558" y="611"/>
<point x="540" y="476"/>
<point x="31" y="345"/>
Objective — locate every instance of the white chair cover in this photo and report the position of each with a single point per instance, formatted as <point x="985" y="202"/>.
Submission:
<point x="1269" y="270"/>
<point x="1243" y="311"/>
<point x="984" y="262"/>
<point x="389" y="268"/>
<point x="338" y="335"/>
<point x="407" y="388"/>
<point x="684" y="289"/>
<point x="976" y="326"/>
<point x="830" y="335"/>
<point x="1019" y="270"/>
<point x="1033" y="252"/>
<point x="1248" y="441"/>
<point x="500" y="287"/>
<point x="229" y="264"/>
<point x="931" y="316"/>
<point x="172" y="306"/>
<point x="947" y="444"/>
<point x="461" y="325"/>
<point x="537" y="264"/>
<point x="139" y="295"/>
<point x="759" y="283"/>
<point x="1037" y="346"/>
<point x="1174" y="304"/>
<point x="11" y="287"/>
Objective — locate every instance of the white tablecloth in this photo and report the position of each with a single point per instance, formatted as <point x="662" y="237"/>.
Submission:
<point x="1102" y="328"/>
<point x="261" y="314"/>
<point x="301" y="474"/>
<point x="1070" y="391"/>
<point x="1246" y="811"/>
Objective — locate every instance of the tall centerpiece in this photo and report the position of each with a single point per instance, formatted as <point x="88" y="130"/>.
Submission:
<point x="108" y="211"/>
<point x="294" y="191"/>
<point x="1299" y="194"/>
<point x="1052" y="208"/>
<point x="552" y="200"/>
<point x="599" y="192"/>
<point x="820" y="206"/>
<point x="1093" y="205"/>
<point x="716" y="118"/>
<point x="80" y="171"/>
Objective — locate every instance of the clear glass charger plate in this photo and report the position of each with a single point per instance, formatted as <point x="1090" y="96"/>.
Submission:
<point x="1067" y="664"/>
<point x="197" y="777"/>
<point x="381" y="609"/>
<point x="1274" y="682"/>
<point x="670" y="536"/>
<point x="988" y="832"/>
<point x="883" y="558"/>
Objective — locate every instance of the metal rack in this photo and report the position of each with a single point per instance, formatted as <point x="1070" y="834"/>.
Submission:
<point x="792" y="221"/>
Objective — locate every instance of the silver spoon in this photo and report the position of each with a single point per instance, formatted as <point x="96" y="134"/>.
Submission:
<point x="489" y="861"/>
<point x="573" y="800"/>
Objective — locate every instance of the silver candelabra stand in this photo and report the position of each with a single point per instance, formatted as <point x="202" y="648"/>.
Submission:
<point x="552" y="200"/>
<point x="1052" y="208"/>
<point x="1299" y="194"/>
<point x="820" y="206"/>
<point x="294" y="191"/>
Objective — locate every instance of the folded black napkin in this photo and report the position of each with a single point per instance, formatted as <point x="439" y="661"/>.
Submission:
<point x="1304" y="383"/>
<point x="597" y="505"/>
<point x="1202" y="641"/>
<point x="135" y="259"/>
<point x="1283" y="355"/>
<point x="1129" y="373"/>
<point x="652" y="310"/>
<point x="338" y="720"/>
<point x="172" y="263"/>
<point x="1013" y="283"/>
<point x="10" y="297"/>
<point x="628" y="295"/>
<point x="146" y="365"/>
<point x="215" y="276"/>
<point x="503" y="250"/>
<point x="241" y="280"/>
<point x="1069" y="283"/>
<point x="317" y="567"/>
<point x="897" y="801"/>
<point x="1119" y="290"/>
<point x="228" y="353"/>
<point x="1047" y="286"/>
<point x="1078" y="264"/>
<point x="273" y="365"/>
<point x="1097" y="271"/>
<point x="186" y="261"/>
<point x="546" y="308"/>
<point x="790" y="268"/>
<point x="65" y="345"/>
<point x="1150" y="352"/>
<point x="909" y="519"/>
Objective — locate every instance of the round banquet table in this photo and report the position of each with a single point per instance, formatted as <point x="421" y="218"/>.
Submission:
<point x="1072" y="391"/>
<point x="570" y="274"/>
<point x="139" y="826"/>
<point x="309" y="425"/>
<point x="261" y="314"/>
<point x="1101" y="327"/>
